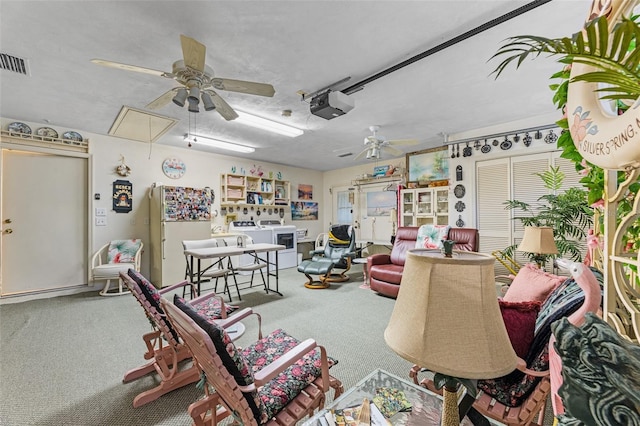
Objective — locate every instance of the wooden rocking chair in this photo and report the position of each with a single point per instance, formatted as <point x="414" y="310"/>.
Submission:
<point x="567" y="300"/>
<point x="243" y="382"/>
<point x="164" y="348"/>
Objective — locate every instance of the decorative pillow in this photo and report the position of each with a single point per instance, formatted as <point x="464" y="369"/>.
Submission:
<point x="153" y="297"/>
<point x="232" y="358"/>
<point x="520" y="321"/>
<point x="123" y="251"/>
<point x="431" y="236"/>
<point x="532" y="283"/>
<point x="212" y="308"/>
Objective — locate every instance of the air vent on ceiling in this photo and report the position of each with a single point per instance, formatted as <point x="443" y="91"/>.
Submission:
<point x="14" y="64"/>
<point x="346" y="154"/>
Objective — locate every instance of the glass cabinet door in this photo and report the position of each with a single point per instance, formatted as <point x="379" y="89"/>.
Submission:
<point x="407" y="208"/>
<point x="424" y="202"/>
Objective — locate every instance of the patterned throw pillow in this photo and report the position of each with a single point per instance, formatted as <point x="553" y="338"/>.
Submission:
<point x="431" y="236"/>
<point x="123" y="251"/>
<point x="520" y="321"/>
<point x="153" y="297"/>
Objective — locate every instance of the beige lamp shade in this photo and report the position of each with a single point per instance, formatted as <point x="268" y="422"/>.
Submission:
<point x="447" y="319"/>
<point x="538" y="239"/>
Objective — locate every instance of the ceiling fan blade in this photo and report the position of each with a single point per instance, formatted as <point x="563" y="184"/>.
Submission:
<point x="162" y="100"/>
<point x="241" y="86"/>
<point x="193" y="52"/>
<point x="403" y="142"/>
<point x="392" y="151"/>
<point x="128" y="67"/>
<point x="222" y="106"/>
<point x="362" y="154"/>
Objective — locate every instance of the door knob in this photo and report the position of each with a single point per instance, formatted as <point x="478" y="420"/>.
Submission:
<point x="8" y="231"/>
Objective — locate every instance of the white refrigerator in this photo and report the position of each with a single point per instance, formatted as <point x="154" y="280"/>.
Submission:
<point x="176" y="214"/>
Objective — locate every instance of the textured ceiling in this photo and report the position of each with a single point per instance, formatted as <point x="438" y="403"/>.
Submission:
<point x="293" y="45"/>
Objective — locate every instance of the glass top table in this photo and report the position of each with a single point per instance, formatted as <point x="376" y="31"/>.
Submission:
<point x="426" y="405"/>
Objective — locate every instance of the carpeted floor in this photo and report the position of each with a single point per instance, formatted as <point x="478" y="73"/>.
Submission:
<point x="63" y="359"/>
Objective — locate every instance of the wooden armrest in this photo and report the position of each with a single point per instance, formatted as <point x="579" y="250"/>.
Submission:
<point x="522" y="366"/>
<point x="175" y="286"/>
<point x="237" y="316"/>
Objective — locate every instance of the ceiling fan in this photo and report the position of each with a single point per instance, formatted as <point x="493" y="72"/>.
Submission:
<point x="376" y="143"/>
<point x="197" y="81"/>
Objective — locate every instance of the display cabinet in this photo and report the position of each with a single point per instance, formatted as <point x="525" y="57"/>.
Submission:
<point x="424" y="206"/>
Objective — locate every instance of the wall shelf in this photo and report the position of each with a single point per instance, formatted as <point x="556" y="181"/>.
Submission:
<point x="45" y="142"/>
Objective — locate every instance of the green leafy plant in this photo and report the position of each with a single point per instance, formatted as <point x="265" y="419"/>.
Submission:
<point x="568" y="213"/>
<point x="616" y="56"/>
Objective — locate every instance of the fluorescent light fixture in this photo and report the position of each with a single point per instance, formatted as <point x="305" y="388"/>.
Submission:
<point x="264" y="124"/>
<point x="214" y="143"/>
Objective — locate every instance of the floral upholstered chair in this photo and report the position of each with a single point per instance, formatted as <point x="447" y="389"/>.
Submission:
<point x="111" y="259"/>
<point x="165" y="349"/>
<point x="277" y="380"/>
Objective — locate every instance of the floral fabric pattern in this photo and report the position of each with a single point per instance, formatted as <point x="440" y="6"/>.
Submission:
<point x="153" y="297"/>
<point x="123" y="251"/>
<point x="212" y="308"/>
<point x="273" y="396"/>
<point x="431" y="236"/>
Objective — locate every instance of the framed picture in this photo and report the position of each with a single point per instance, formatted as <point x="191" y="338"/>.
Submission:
<point x="301" y="210"/>
<point x="380" y="203"/>
<point x="305" y="192"/>
<point x="428" y="165"/>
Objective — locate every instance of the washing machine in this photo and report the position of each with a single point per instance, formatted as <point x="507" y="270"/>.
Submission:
<point x="285" y="235"/>
<point x="256" y="232"/>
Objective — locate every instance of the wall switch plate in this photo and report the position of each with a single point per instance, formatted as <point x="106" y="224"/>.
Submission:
<point x="101" y="211"/>
<point x="101" y="221"/>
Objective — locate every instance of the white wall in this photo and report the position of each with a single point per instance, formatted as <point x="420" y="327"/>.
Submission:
<point x="145" y="161"/>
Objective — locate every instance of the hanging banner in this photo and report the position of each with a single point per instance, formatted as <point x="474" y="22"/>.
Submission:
<point x="122" y="198"/>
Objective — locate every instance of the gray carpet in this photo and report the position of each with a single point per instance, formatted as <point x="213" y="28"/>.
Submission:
<point x="63" y="358"/>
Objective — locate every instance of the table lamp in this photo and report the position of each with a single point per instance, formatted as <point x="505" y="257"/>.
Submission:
<point x="539" y="241"/>
<point x="447" y="319"/>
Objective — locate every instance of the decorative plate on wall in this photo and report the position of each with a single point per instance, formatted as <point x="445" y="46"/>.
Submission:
<point x="19" y="129"/>
<point x="174" y="168"/>
<point x="72" y="136"/>
<point x="459" y="191"/>
<point x="47" y="133"/>
<point x="460" y="206"/>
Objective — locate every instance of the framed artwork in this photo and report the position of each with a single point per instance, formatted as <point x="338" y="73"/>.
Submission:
<point x="305" y="192"/>
<point x="301" y="210"/>
<point x="380" y="203"/>
<point x="428" y="165"/>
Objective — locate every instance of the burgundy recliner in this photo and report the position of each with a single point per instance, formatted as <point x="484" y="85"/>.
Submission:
<point x="385" y="270"/>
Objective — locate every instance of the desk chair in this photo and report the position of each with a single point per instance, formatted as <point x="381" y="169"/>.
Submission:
<point x="112" y="258"/>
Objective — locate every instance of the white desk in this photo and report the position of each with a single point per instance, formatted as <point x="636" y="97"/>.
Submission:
<point x="223" y="252"/>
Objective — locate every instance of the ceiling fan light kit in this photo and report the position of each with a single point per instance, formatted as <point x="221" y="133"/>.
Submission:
<point x="180" y="97"/>
<point x="197" y="80"/>
<point x="215" y="143"/>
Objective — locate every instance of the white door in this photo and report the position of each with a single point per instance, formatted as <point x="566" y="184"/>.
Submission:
<point x="44" y="222"/>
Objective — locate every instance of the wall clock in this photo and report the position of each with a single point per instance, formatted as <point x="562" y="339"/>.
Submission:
<point x="173" y="168"/>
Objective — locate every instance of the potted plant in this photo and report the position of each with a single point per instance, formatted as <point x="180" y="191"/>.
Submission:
<point x="567" y="213"/>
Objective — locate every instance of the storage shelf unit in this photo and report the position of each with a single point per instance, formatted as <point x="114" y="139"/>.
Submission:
<point x="251" y="190"/>
<point x="424" y="206"/>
